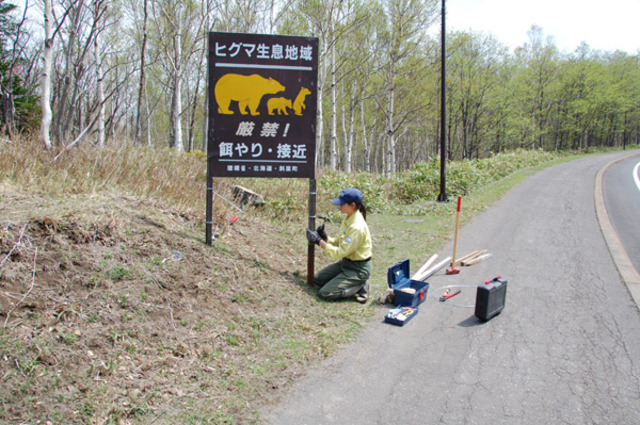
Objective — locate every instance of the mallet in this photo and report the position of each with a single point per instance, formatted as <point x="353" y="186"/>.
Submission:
<point x="453" y="269"/>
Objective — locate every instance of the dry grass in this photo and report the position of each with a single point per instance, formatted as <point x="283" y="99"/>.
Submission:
<point x="112" y="309"/>
<point x="121" y="169"/>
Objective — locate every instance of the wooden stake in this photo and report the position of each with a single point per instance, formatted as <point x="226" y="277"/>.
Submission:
<point x="478" y="259"/>
<point x="464" y="261"/>
<point x="425" y="266"/>
<point x="431" y="271"/>
<point x="468" y="256"/>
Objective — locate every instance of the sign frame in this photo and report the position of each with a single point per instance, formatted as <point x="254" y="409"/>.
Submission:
<point x="268" y="84"/>
<point x="262" y="105"/>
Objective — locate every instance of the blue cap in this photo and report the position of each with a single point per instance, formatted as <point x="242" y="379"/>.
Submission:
<point x="348" y="196"/>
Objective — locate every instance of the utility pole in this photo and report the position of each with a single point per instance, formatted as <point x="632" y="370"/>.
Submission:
<point x="443" y="111"/>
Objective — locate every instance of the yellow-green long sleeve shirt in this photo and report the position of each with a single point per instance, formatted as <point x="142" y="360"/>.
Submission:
<point x="354" y="241"/>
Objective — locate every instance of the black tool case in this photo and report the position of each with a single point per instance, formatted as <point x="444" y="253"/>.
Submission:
<point x="490" y="298"/>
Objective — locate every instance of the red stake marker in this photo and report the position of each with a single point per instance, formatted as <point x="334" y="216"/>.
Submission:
<point x="452" y="269"/>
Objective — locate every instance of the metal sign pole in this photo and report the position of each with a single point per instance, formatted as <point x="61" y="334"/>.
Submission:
<point x="210" y="148"/>
<point x="443" y="112"/>
<point x="312" y="226"/>
<point x="209" y="223"/>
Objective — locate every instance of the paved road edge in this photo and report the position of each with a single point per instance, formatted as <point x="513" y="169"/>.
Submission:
<point x="626" y="269"/>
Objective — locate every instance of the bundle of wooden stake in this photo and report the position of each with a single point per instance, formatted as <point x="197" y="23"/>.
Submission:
<point x="430" y="268"/>
<point x="473" y="258"/>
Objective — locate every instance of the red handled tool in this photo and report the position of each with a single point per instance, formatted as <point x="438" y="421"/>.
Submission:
<point x="453" y="269"/>
<point x="447" y="295"/>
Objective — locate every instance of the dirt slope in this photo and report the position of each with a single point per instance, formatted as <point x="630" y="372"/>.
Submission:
<point x="113" y="310"/>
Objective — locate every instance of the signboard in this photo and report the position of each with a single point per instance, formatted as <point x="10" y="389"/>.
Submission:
<point x="262" y="105"/>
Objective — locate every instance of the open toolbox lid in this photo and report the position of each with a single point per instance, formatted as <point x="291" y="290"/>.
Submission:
<point x="398" y="275"/>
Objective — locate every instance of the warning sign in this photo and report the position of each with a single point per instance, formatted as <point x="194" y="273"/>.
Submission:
<point x="262" y="105"/>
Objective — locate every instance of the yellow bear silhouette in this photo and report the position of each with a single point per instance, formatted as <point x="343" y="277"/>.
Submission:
<point x="298" y="104"/>
<point x="247" y="90"/>
<point x="280" y="104"/>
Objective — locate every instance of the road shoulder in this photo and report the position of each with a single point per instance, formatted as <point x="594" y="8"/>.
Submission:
<point x="623" y="263"/>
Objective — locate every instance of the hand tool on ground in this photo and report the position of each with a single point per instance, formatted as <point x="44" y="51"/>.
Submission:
<point x="453" y="269"/>
<point x="442" y="297"/>
<point x="446" y="296"/>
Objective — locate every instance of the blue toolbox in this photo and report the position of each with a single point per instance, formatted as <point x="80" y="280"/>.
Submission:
<point x="490" y="298"/>
<point x="406" y="292"/>
<point x="400" y="315"/>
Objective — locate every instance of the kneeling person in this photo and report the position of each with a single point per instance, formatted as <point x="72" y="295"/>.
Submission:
<point x="352" y="248"/>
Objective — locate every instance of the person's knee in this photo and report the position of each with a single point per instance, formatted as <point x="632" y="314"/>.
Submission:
<point x="329" y="294"/>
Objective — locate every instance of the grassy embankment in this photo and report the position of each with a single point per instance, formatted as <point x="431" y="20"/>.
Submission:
<point x="112" y="309"/>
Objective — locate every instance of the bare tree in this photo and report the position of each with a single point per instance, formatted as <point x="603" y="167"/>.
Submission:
<point x="45" y="127"/>
<point x="143" y="50"/>
<point x="407" y="23"/>
<point x="100" y="95"/>
<point x="8" y="82"/>
<point x="178" y="37"/>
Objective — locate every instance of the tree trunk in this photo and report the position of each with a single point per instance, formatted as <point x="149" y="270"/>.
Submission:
<point x="320" y="115"/>
<point x="365" y="141"/>
<point x="195" y="103"/>
<point x="143" y="48"/>
<point x="350" y="137"/>
<point x="100" y="95"/>
<point x="45" y="125"/>
<point x="65" y="107"/>
<point x="391" y="148"/>
<point x="175" y="129"/>
<point x="334" y="130"/>
<point x="148" y="112"/>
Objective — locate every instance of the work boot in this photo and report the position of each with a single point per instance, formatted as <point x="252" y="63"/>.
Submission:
<point x="362" y="296"/>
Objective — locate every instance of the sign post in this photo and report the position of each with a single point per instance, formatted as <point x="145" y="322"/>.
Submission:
<point x="262" y="92"/>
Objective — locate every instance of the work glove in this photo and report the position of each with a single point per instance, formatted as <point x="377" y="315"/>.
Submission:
<point x="313" y="237"/>
<point x="322" y="233"/>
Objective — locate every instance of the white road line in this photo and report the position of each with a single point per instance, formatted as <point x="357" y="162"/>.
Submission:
<point x="635" y="175"/>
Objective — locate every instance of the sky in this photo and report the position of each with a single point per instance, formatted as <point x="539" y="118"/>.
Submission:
<point x="606" y="25"/>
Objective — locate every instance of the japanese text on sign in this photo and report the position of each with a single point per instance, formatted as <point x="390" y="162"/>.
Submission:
<point x="264" y="51"/>
<point x="262" y="103"/>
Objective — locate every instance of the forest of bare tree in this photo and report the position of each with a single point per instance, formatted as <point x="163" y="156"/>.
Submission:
<point x="98" y="71"/>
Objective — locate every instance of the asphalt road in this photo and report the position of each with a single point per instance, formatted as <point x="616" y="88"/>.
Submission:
<point x="622" y="197"/>
<point x="565" y="350"/>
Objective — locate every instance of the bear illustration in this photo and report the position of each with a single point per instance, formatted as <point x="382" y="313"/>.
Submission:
<point x="280" y="104"/>
<point x="247" y="90"/>
<point x="298" y="104"/>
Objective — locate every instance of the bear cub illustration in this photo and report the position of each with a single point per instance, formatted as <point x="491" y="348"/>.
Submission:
<point x="280" y="104"/>
<point x="298" y="104"/>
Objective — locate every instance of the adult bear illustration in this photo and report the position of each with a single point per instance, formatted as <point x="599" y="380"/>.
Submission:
<point x="298" y="104"/>
<point x="280" y="104"/>
<point x="247" y="90"/>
